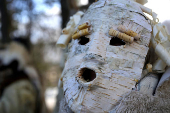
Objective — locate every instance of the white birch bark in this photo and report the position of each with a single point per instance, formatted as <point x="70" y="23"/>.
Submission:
<point x="116" y="67"/>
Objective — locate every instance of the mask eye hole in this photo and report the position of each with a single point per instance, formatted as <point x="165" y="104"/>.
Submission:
<point x="116" y="42"/>
<point x="83" y="40"/>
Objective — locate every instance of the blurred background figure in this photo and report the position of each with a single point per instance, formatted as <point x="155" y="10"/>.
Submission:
<point x="20" y="84"/>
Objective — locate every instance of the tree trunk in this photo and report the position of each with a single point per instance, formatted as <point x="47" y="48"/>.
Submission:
<point x="65" y="12"/>
<point x="5" y="21"/>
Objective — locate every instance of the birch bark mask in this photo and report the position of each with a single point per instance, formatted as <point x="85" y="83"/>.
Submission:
<point x="106" y="56"/>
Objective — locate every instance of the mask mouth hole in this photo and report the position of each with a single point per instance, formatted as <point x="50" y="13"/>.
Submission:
<point x="115" y="41"/>
<point x="83" y="40"/>
<point x="87" y="74"/>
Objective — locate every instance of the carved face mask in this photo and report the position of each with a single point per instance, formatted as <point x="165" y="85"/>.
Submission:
<point x="102" y="66"/>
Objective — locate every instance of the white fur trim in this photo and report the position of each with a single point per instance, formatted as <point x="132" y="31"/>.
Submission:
<point x="15" y="51"/>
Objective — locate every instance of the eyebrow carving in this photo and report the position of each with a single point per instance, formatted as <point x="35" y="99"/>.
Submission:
<point x="120" y="35"/>
<point x="85" y="25"/>
<point x="129" y="32"/>
<point x="81" y="33"/>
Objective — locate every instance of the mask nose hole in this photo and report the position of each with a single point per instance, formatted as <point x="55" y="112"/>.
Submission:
<point x="87" y="74"/>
